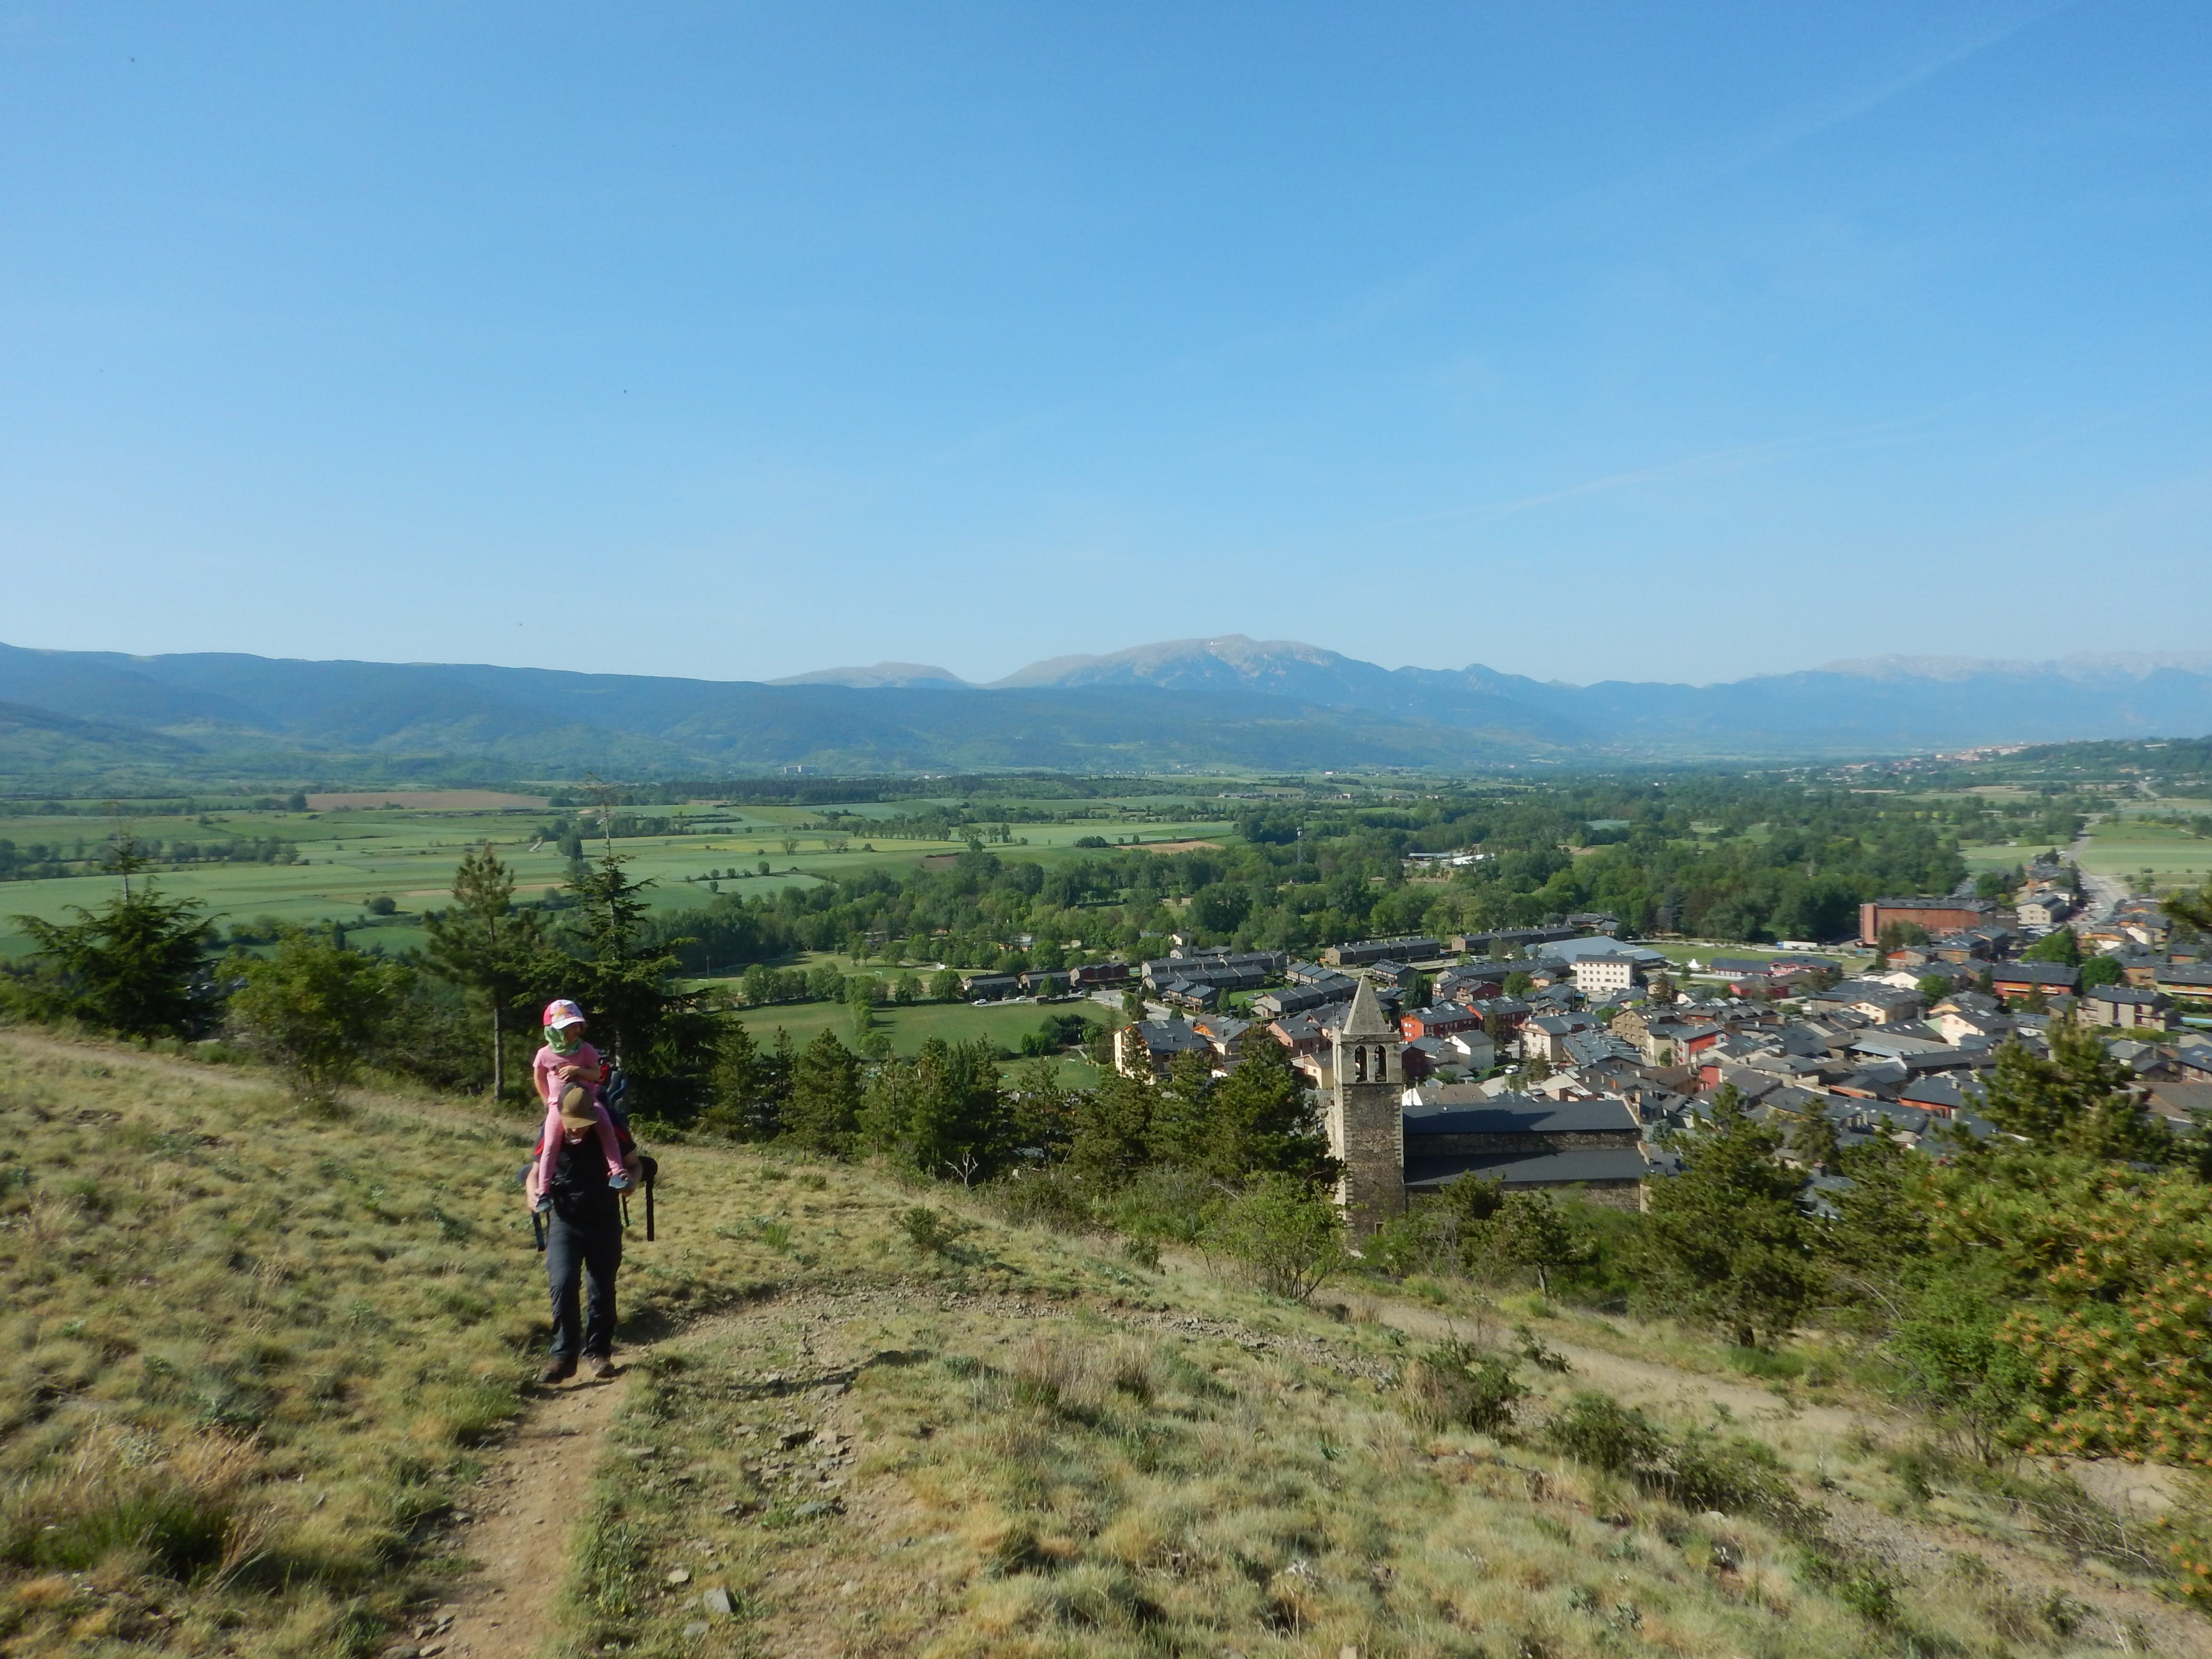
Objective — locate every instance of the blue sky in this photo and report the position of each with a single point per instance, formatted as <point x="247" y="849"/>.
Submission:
<point x="1585" y="341"/>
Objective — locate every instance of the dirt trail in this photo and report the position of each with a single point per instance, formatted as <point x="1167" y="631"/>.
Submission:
<point x="1692" y="1392"/>
<point x="520" y="1531"/>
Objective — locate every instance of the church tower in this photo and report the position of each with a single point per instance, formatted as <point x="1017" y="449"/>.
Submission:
<point x="1366" y="1118"/>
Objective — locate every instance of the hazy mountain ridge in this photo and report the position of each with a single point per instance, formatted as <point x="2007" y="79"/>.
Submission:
<point x="1225" y="702"/>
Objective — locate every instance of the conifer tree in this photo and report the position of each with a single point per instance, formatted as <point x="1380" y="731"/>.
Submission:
<point x="1263" y="1117"/>
<point x="663" y="1038"/>
<point x="1110" y="1127"/>
<point x="823" y="1110"/>
<point x="485" y="947"/>
<point x="1531" y="1230"/>
<point x="128" y="967"/>
<point x="1725" y="1240"/>
<point x="2076" y="1101"/>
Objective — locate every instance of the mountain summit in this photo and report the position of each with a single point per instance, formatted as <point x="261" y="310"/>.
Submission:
<point x="903" y="674"/>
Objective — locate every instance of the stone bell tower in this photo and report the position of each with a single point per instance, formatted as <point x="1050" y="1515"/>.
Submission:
<point x="1366" y="1120"/>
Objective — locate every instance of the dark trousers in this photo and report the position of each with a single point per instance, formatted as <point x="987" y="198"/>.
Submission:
<point x="585" y="1256"/>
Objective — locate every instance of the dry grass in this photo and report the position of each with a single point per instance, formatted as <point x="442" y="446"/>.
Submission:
<point x="345" y="1307"/>
<point x="250" y="1357"/>
<point x="955" y="1474"/>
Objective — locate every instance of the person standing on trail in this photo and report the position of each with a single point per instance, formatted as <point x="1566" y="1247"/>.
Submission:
<point x="585" y="1161"/>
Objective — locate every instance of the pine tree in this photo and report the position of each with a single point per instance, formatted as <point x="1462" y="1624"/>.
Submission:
<point x="1263" y="1117"/>
<point x="747" y="1087"/>
<point x="484" y="947"/>
<point x="663" y="1038"/>
<point x="1531" y="1230"/>
<point x="823" y="1111"/>
<point x="959" y="1124"/>
<point x="1724" y="1240"/>
<point x="2076" y="1101"/>
<point x="1181" y="1130"/>
<point x="1110" y="1127"/>
<point x="129" y="967"/>
<point x="1042" y="1111"/>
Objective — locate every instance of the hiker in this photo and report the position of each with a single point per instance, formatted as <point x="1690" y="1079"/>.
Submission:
<point x="584" y="1163"/>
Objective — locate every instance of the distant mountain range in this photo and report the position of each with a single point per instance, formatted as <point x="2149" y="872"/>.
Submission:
<point x="68" y="718"/>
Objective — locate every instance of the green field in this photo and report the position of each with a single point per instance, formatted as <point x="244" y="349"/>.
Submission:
<point x="1848" y="956"/>
<point x="2122" y="847"/>
<point x="409" y="854"/>
<point x="1003" y="1022"/>
<point x="2002" y="856"/>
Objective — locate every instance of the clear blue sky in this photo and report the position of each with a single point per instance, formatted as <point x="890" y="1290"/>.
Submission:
<point x="1587" y="341"/>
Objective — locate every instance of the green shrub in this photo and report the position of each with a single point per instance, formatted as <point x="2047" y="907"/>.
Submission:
<point x="1052" y="1196"/>
<point x="1169" y="1205"/>
<point x="1458" y="1385"/>
<point x="1286" y="1235"/>
<point x="1861" y="1585"/>
<point x="1699" y="1470"/>
<point x="1599" y="1431"/>
<point x="931" y="1231"/>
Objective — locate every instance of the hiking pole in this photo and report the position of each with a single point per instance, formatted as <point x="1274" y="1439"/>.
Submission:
<point x="648" y="1208"/>
<point x="537" y="1230"/>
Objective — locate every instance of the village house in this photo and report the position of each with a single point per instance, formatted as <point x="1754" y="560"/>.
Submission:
<point x="1606" y="974"/>
<point x="2128" y="1006"/>
<point x="1469" y="982"/>
<point x="1883" y="1004"/>
<point x="2187" y="983"/>
<point x="1440" y="1020"/>
<point x="1366" y="951"/>
<point x="1300" y="999"/>
<point x="1544" y="1037"/>
<point x="1149" y="1046"/>
<point x="2015" y="982"/>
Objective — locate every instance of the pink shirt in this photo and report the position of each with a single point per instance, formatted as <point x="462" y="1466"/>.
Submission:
<point x="545" y="1070"/>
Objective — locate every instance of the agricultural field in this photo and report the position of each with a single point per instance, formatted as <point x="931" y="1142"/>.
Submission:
<point x="1004" y="1023"/>
<point x="2124" y="847"/>
<point x="352" y="856"/>
<point x="1684" y="952"/>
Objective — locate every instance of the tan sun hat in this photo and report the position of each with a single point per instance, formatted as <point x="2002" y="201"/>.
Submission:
<point x="576" y="1111"/>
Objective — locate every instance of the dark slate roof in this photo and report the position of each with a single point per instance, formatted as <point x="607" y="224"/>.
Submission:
<point x="2140" y="996"/>
<point x="2034" y="973"/>
<point x="1170" y="1036"/>
<point x="1522" y="1115"/>
<point x="1533" y="1169"/>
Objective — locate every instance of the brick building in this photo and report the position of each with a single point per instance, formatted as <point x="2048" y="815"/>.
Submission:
<point x="1933" y="915"/>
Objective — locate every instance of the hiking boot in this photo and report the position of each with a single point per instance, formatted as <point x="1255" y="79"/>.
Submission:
<point x="603" y="1367"/>
<point x="560" y="1370"/>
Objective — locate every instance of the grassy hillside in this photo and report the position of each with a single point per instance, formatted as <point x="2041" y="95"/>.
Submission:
<point x="258" y="1364"/>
